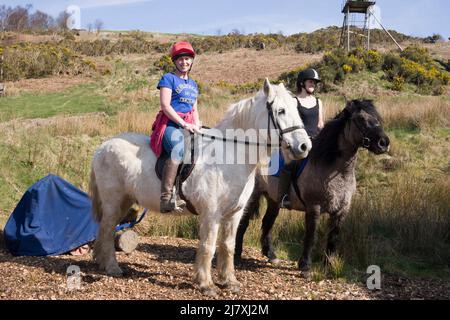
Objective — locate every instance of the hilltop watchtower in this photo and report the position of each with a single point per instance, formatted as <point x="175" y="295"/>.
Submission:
<point x="354" y="28"/>
<point x="353" y="24"/>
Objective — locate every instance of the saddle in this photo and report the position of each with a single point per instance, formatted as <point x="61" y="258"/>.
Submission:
<point x="184" y="170"/>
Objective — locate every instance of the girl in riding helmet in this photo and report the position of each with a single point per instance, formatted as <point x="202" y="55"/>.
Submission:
<point x="311" y="111"/>
<point x="178" y="100"/>
<point x="309" y="107"/>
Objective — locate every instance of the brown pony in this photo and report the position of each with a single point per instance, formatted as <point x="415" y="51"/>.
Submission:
<point x="327" y="182"/>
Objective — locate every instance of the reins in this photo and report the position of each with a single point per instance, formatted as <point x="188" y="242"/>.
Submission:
<point x="270" y="119"/>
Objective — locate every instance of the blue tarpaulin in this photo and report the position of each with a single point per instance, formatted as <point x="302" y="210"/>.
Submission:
<point x="53" y="217"/>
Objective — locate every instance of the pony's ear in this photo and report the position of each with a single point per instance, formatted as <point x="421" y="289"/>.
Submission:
<point x="349" y="108"/>
<point x="268" y="90"/>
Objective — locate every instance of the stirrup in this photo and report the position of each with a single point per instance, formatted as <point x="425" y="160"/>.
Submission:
<point x="172" y="206"/>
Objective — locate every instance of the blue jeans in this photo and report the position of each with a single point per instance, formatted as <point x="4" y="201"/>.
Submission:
<point x="173" y="141"/>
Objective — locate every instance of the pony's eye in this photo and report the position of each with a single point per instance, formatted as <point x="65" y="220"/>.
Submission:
<point x="281" y="111"/>
<point x="373" y="123"/>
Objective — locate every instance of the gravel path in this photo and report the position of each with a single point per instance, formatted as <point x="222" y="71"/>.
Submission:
<point x="162" y="268"/>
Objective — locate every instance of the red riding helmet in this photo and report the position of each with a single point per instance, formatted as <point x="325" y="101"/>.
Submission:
<point x="182" y="48"/>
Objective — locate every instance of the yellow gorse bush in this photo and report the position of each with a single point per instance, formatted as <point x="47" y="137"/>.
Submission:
<point x="347" y="68"/>
<point x="31" y="60"/>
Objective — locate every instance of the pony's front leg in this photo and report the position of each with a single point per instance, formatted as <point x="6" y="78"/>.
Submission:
<point x="311" y="218"/>
<point x="268" y="221"/>
<point x="225" y="254"/>
<point x="334" y="227"/>
<point x="209" y="227"/>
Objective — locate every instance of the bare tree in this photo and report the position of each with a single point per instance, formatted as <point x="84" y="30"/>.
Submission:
<point x="40" y="21"/>
<point x="61" y="20"/>
<point x="4" y="13"/>
<point x="235" y="32"/>
<point x="18" y="18"/>
<point x="98" y="25"/>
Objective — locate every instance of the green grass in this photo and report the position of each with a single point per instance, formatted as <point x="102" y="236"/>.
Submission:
<point x="32" y="155"/>
<point x="76" y="100"/>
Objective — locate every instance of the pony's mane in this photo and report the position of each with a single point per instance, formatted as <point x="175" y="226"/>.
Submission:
<point x="325" y="145"/>
<point x="240" y="114"/>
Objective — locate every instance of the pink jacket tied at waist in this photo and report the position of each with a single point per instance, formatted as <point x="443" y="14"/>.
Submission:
<point x="159" y="126"/>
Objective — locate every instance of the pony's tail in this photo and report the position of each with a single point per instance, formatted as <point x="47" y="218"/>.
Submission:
<point x="97" y="212"/>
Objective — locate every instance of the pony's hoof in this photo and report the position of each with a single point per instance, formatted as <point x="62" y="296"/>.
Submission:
<point x="303" y="266"/>
<point x="114" y="272"/>
<point x="305" y="275"/>
<point x="234" y="287"/>
<point x="238" y="260"/>
<point x="274" y="261"/>
<point x="210" y="291"/>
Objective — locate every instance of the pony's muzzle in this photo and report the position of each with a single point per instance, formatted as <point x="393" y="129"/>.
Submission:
<point x="301" y="150"/>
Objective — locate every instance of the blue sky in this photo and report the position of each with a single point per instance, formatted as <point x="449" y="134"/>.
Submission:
<point x="412" y="17"/>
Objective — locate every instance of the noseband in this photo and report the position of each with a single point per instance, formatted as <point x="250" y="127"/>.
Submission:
<point x="365" y="143"/>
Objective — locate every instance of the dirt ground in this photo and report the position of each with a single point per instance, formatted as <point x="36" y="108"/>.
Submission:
<point x="246" y="65"/>
<point x="162" y="268"/>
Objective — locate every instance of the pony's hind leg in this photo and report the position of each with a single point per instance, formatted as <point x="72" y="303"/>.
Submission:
<point x="243" y="225"/>
<point x="251" y="210"/>
<point x="104" y="249"/>
<point x="225" y="254"/>
<point x="209" y="227"/>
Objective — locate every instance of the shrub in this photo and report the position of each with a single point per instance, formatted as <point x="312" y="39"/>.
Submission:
<point x="290" y="78"/>
<point x="391" y="65"/>
<point x="28" y="60"/>
<point x="357" y="64"/>
<point x="346" y="68"/>
<point x="373" y="60"/>
<point x="417" y="54"/>
<point x="398" y="83"/>
<point x="165" y="64"/>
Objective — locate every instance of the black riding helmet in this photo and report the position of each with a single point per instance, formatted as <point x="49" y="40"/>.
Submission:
<point x="308" y="74"/>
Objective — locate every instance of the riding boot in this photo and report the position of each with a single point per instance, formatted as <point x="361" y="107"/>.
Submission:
<point x="169" y="174"/>
<point x="284" y="183"/>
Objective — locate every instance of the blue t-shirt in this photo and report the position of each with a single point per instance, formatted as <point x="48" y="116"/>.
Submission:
<point x="184" y="91"/>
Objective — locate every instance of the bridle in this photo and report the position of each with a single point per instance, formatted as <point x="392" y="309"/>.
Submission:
<point x="276" y="125"/>
<point x="365" y="143"/>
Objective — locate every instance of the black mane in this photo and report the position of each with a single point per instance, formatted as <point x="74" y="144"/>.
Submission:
<point x="325" y="145"/>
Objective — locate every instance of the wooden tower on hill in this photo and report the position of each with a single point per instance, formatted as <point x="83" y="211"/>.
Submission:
<point x="354" y="27"/>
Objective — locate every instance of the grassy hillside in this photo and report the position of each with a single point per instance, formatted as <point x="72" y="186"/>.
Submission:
<point x="400" y="218"/>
